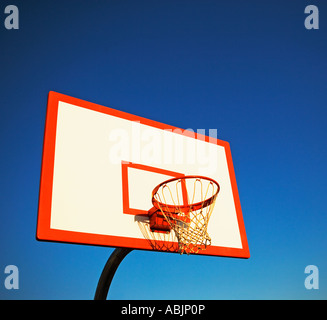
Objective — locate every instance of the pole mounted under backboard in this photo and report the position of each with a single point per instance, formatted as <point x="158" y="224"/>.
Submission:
<point x="108" y="272"/>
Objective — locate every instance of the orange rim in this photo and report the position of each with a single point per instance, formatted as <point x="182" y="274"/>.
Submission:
<point x="169" y="208"/>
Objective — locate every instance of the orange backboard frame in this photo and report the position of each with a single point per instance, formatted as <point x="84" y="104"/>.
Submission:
<point x="46" y="233"/>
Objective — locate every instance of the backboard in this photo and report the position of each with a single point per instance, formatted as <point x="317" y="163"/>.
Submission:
<point x="99" y="168"/>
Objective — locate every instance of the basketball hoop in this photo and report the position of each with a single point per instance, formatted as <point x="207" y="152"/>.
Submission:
<point x="184" y="205"/>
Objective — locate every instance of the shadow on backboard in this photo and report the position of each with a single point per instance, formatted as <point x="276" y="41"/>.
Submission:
<point x="159" y="241"/>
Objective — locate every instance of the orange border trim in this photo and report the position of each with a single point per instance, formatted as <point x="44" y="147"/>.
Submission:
<point x="45" y="233"/>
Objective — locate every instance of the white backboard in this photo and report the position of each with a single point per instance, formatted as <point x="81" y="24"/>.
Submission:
<point x="100" y="166"/>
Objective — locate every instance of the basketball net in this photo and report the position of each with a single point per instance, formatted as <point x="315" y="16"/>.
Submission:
<point x="187" y="204"/>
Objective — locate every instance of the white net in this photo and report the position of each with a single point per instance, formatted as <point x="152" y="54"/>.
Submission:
<point x="187" y="204"/>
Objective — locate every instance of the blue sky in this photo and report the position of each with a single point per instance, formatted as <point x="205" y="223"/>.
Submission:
<point x="249" y="69"/>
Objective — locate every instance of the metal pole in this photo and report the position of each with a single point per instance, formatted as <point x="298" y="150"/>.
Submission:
<point x="108" y="272"/>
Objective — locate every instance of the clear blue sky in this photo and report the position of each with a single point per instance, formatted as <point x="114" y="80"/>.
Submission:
<point x="249" y="69"/>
